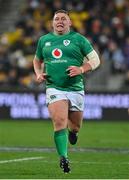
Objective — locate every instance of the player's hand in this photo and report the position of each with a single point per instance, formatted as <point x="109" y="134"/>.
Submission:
<point x="74" y="71"/>
<point x="41" y="77"/>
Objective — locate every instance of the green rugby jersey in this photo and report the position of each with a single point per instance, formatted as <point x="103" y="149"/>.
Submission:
<point x="58" y="52"/>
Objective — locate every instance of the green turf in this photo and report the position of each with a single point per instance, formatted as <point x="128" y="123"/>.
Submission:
<point x="87" y="165"/>
<point x="84" y="165"/>
<point x="40" y="133"/>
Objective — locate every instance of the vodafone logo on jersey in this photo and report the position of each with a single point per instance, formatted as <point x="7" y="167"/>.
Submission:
<point x="57" y="53"/>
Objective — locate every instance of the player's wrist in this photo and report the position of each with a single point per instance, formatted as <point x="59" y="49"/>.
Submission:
<point x="38" y="75"/>
<point x="82" y="69"/>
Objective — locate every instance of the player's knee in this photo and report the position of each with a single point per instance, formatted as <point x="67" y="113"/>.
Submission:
<point x="76" y="127"/>
<point x="60" y="123"/>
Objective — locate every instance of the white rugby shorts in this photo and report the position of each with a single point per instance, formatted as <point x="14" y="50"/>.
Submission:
<point x="75" y="98"/>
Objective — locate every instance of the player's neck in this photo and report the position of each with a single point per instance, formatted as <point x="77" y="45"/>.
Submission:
<point x="61" y="33"/>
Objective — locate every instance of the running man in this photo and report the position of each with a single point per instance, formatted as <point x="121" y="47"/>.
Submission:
<point x="63" y="54"/>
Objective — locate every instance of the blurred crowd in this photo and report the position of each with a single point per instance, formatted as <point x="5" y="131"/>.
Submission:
<point x="104" y="23"/>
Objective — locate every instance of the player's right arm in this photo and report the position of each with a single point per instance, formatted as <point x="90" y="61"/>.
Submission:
<point x="38" y="69"/>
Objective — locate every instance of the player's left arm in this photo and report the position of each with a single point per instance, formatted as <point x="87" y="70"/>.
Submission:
<point x="91" y="64"/>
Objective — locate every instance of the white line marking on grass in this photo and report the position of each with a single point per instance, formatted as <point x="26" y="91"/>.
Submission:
<point x="52" y="149"/>
<point x="21" y="159"/>
<point x="51" y="162"/>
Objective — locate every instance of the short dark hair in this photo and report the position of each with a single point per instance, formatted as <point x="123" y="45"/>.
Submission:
<point x="61" y="11"/>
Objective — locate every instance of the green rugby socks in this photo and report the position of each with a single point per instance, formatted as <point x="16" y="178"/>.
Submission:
<point x="61" y="141"/>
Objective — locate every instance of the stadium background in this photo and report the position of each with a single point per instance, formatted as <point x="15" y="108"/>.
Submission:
<point x="106" y="25"/>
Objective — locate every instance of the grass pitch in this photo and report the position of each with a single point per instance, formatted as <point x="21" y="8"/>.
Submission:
<point x="27" y="151"/>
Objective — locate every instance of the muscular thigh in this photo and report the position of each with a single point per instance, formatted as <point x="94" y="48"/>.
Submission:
<point x="59" y="113"/>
